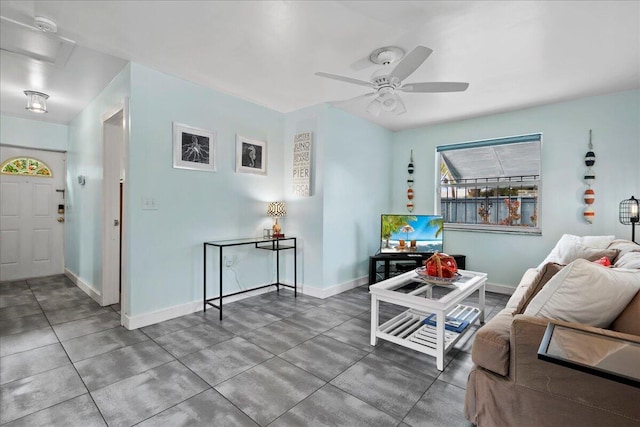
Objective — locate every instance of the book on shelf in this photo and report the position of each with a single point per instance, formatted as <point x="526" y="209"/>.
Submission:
<point x="452" y="324"/>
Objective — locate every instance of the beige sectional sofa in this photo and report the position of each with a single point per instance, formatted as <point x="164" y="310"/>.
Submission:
<point x="509" y="386"/>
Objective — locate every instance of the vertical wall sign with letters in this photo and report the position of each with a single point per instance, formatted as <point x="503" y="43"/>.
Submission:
<point x="302" y="164"/>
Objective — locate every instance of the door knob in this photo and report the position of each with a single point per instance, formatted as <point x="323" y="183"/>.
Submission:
<point x="116" y="223"/>
<point x="60" y="219"/>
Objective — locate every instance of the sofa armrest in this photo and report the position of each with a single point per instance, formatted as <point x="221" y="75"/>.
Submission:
<point x="528" y="371"/>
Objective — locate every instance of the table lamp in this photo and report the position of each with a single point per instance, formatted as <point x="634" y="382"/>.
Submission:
<point x="276" y="210"/>
<point x="630" y="214"/>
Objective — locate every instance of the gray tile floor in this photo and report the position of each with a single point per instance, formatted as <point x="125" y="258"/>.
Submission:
<point x="273" y="360"/>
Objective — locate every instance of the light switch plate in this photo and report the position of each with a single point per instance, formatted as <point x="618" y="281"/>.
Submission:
<point x="149" y="203"/>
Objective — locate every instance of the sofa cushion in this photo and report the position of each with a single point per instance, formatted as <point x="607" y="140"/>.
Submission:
<point x="584" y="292"/>
<point x="544" y="275"/>
<point x="570" y="247"/>
<point x="628" y="260"/>
<point x="491" y="344"/>
<point x="624" y="246"/>
<point x="628" y="321"/>
<point x="521" y="289"/>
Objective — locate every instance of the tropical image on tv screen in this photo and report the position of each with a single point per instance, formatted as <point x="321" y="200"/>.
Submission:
<point x="411" y="233"/>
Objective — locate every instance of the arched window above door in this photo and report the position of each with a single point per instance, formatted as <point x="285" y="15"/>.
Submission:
<point x="25" y="166"/>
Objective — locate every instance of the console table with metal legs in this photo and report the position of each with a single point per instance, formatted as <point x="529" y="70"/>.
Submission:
<point x="274" y="245"/>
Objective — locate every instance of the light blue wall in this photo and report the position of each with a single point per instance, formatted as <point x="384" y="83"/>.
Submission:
<point x="83" y="225"/>
<point x="166" y="245"/>
<point x="339" y="223"/>
<point x="615" y="121"/>
<point x="357" y="190"/>
<point x="305" y="214"/>
<point x="33" y="133"/>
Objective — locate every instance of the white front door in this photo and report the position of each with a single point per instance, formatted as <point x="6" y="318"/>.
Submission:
<point x="31" y="237"/>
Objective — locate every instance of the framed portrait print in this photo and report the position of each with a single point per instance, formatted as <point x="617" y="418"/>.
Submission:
<point x="193" y="148"/>
<point x="251" y="155"/>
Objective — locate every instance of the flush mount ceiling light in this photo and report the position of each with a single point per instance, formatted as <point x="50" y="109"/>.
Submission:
<point x="36" y="101"/>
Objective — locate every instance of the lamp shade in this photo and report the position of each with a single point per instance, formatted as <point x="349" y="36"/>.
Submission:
<point x="276" y="209"/>
<point x="629" y="211"/>
<point x="36" y="101"/>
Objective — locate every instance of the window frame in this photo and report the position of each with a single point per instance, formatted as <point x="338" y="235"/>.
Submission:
<point x="491" y="228"/>
<point x="42" y="166"/>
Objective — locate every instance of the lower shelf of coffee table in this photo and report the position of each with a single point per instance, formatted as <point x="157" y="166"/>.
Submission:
<point x="407" y="329"/>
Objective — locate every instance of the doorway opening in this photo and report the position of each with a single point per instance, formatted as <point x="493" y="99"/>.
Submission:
<point x="114" y="145"/>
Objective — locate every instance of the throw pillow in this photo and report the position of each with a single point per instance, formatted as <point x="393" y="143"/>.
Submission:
<point x="569" y="250"/>
<point x="584" y="292"/>
<point x="569" y="245"/>
<point x="601" y="242"/>
<point x="628" y="260"/>
<point x="624" y="246"/>
<point x="604" y="261"/>
<point x="544" y="275"/>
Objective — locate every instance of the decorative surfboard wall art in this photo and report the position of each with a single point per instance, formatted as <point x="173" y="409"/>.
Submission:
<point x="410" y="184"/>
<point x="589" y="178"/>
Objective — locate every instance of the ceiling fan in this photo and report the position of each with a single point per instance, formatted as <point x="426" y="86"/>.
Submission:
<point x="387" y="81"/>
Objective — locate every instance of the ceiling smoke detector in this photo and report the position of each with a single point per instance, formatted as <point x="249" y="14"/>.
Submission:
<point x="46" y="25"/>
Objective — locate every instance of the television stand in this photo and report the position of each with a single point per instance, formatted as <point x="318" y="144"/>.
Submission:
<point x="385" y="265"/>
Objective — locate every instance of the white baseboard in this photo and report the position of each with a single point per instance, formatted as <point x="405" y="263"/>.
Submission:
<point x="146" y="319"/>
<point x="332" y="290"/>
<point x="87" y="288"/>
<point x="500" y="289"/>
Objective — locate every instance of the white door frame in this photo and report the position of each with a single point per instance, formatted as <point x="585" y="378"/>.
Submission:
<point x="115" y="168"/>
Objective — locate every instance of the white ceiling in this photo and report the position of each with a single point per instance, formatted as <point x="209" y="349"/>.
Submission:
<point x="514" y="54"/>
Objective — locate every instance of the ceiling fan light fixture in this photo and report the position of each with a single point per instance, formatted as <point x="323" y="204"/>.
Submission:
<point x="400" y="108"/>
<point x="388" y="101"/>
<point x="36" y="101"/>
<point x="374" y="107"/>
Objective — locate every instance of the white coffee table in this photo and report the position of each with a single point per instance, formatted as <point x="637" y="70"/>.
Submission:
<point x="421" y="300"/>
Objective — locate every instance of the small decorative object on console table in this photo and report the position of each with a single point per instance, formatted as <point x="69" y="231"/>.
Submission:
<point x="630" y="214"/>
<point x="276" y="210"/>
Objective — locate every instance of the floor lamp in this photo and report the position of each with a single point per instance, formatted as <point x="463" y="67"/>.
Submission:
<point x="630" y="214"/>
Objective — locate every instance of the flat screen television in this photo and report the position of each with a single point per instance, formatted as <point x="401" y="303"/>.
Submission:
<point x="410" y="233"/>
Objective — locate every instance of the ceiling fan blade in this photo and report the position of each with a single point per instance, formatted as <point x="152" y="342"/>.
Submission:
<point x="338" y="103"/>
<point x="435" y="87"/>
<point x="344" y="79"/>
<point x="410" y="63"/>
